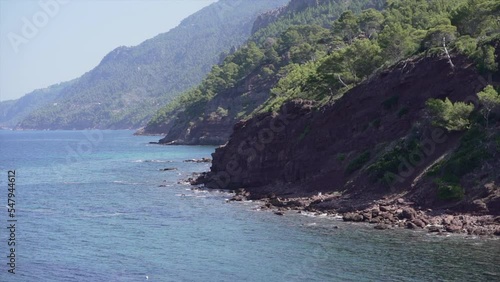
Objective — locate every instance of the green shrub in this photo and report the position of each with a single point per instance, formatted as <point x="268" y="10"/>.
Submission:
<point x="222" y="112"/>
<point x="469" y="155"/>
<point x="390" y="160"/>
<point x="452" y="116"/>
<point x="450" y="192"/>
<point x="466" y="45"/>
<point x="358" y="162"/>
<point x="435" y="169"/>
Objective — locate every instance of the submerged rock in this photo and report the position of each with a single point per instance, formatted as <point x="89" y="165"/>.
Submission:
<point x="168" y="169"/>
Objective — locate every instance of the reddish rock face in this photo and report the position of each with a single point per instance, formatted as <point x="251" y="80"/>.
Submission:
<point x="299" y="149"/>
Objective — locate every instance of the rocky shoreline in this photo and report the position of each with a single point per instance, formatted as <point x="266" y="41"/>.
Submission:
<point x="385" y="214"/>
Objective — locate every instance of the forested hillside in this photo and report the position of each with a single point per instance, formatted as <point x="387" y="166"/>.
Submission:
<point x="131" y="83"/>
<point x="260" y="60"/>
<point x="390" y="117"/>
<point x="13" y="111"/>
<point x="319" y="59"/>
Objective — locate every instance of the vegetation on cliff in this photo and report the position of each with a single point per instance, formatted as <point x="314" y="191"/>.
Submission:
<point x="399" y="102"/>
<point x="309" y="55"/>
<point x="131" y="83"/>
<point x="265" y="54"/>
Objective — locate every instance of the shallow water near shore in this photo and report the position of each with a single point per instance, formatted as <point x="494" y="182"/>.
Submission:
<point x="90" y="208"/>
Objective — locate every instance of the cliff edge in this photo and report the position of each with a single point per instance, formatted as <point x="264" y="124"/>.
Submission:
<point x="375" y="143"/>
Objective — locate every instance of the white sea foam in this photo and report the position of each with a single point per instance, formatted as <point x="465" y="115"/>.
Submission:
<point x="151" y="161"/>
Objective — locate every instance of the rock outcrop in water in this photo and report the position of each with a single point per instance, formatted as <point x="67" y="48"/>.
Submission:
<point x="304" y="150"/>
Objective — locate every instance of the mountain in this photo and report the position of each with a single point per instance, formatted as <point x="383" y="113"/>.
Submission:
<point x="243" y="82"/>
<point x="375" y="155"/>
<point x="13" y="111"/>
<point x="388" y="116"/>
<point x="131" y="83"/>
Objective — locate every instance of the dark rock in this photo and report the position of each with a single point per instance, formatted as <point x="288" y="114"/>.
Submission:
<point x="411" y="225"/>
<point x="447" y="219"/>
<point x="388" y="216"/>
<point x="434" y="228"/>
<point x="276" y="202"/>
<point x="294" y="203"/>
<point x="352" y="217"/>
<point x="456" y="222"/>
<point x="278" y="213"/>
<point x="381" y="226"/>
<point x="418" y="222"/>
<point x="479" y="206"/>
<point x="424" y="220"/>
<point x="168" y="169"/>
<point x="384" y="208"/>
<point x="238" y="198"/>
<point x="202" y="160"/>
<point x="408" y="213"/>
<point x="367" y="216"/>
<point x="375" y="220"/>
<point x="454" y="228"/>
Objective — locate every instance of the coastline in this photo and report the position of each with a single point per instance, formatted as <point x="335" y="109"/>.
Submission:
<point x="382" y="214"/>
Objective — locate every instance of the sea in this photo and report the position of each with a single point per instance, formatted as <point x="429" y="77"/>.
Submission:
<point x="98" y="206"/>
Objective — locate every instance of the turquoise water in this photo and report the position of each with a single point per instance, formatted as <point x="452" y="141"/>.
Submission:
<point x="89" y="208"/>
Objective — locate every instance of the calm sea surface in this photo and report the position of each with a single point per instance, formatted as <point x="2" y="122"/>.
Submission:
<point x="89" y="207"/>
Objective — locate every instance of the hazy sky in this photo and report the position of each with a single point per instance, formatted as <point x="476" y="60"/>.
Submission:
<point x="44" y="42"/>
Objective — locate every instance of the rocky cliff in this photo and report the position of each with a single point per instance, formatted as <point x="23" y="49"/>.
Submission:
<point x="303" y="150"/>
<point x="212" y="126"/>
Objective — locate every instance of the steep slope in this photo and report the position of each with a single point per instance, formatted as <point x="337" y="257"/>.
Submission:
<point x="130" y="83"/>
<point x="375" y="142"/>
<point x="396" y="124"/>
<point x="203" y="115"/>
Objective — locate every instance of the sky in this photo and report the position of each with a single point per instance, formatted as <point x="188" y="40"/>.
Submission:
<point x="45" y="42"/>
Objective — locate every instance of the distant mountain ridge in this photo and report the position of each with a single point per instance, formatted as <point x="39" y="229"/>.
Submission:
<point x="131" y="83"/>
<point x="282" y="38"/>
<point x="13" y="111"/>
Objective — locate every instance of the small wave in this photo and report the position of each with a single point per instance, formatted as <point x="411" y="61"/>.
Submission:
<point x="185" y="195"/>
<point x="198" y="191"/>
<point x="151" y="161"/>
<point x="309" y="214"/>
